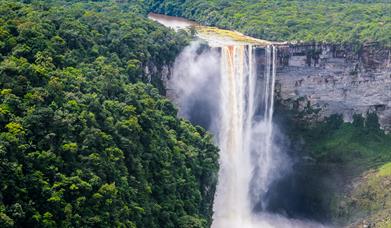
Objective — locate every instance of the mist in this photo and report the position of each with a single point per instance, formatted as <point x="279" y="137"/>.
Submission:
<point x="228" y="91"/>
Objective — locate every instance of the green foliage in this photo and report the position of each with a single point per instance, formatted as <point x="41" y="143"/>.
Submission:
<point x="84" y="142"/>
<point x="385" y="170"/>
<point x="368" y="199"/>
<point x="335" y="158"/>
<point x="358" y="146"/>
<point x="343" y="21"/>
<point x="350" y="143"/>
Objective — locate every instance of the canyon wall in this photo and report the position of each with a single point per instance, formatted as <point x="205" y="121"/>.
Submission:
<point x="321" y="80"/>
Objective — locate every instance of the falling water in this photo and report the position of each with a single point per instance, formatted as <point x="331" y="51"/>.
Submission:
<point x="245" y="134"/>
<point x="230" y="91"/>
<point x="225" y="87"/>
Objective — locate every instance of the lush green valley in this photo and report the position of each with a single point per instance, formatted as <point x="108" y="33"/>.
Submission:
<point x="300" y="20"/>
<point x="88" y="138"/>
<point x="85" y="141"/>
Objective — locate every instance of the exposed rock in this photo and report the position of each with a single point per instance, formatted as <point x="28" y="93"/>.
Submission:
<point x="336" y="79"/>
<point x="330" y="79"/>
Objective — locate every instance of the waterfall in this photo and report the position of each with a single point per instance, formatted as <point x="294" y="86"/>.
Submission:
<point x="245" y="134"/>
<point x="226" y="85"/>
<point x="230" y="91"/>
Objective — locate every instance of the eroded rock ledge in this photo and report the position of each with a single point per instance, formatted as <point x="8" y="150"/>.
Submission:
<point x="329" y="79"/>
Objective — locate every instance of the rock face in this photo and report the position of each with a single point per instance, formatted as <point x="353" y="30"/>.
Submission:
<point x="322" y="80"/>
<point x="330" y="79"/>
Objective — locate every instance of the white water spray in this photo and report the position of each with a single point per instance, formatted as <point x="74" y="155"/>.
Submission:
<point x="245" y="135"/>
<point x="229" y="86"/>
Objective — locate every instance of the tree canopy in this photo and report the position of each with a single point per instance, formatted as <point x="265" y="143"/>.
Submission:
<point x="86" y="139"/>
<point x="343" y="21"/>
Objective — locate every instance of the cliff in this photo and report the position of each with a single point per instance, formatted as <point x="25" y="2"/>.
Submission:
<point x="321" y="80"/>
<point x="350" y="160"/>
<point x="326" y="79"/>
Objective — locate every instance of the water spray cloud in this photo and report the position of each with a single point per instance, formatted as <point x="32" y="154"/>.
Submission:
<point x="226" y="91"/>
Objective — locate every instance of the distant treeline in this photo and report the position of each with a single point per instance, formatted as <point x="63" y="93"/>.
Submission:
<point x="331" y="21"/>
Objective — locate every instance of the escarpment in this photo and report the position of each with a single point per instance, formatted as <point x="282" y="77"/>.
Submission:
<point x="322" y="80"/>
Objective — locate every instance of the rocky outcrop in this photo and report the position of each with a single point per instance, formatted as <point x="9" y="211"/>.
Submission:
<point x="330" y="79"/>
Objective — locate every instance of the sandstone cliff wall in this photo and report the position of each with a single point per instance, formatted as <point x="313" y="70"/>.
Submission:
<point x="336" y="79"/>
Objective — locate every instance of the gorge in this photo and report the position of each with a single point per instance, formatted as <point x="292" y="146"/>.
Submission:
<point x="228" y="91"/>
<point x="230" y="87"/>
<point x="254" y="114"/>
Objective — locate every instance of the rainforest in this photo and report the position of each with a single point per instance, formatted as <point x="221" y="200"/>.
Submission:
<point x="192" y="114"/>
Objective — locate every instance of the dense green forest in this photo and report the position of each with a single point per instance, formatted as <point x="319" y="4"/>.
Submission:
<point x="299" y="20"/>
<point x="85" y="139"/>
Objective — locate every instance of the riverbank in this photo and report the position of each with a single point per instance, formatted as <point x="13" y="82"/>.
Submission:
<point x="215" y="37"/>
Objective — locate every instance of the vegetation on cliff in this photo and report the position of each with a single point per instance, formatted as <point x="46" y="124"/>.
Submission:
<point x="360" y="144"/>
<point x="344" y="166"/>
<point x="83" y="141"/>
<point x="300" y="20"/>
<point x="367" y="202"/>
